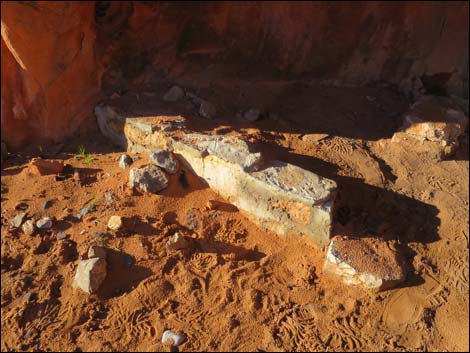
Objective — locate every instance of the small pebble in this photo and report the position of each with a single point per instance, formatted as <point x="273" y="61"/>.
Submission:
<point x="115" y="223"/>
<point x="177" y="242"/>
<point x="44" y="223"/>
<point x="61" y="235"/>
<point x="125" y="161"/>
<point x="18" y="219"/>
<point x="172" y="338"/>
<point x="28" y="227"/>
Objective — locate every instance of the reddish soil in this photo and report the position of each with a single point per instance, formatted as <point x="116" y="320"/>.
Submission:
<point x="241" y="288"/>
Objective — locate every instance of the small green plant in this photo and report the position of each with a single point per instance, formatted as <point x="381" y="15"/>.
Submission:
<point x="81" y="151"/>
<point x="93" y="203"/>
<point x="87" y="157"/>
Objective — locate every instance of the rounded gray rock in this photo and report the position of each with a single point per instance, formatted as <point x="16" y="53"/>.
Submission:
<point x="44" y="223"/>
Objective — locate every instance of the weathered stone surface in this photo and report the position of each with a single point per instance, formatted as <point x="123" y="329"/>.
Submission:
<point x="115" y="223"/>
<point x="436" y="119"/>
<point x="90" y="274"/>
<point x="281" y="197"/>
<point x="227" y="148"/>
<point x="97" y="251"/>
<point x="174" y="94"/>
<point x="18" y="219"/>
<point x="148" y="179"/>
<point x="39" y="166"/>
<point x="49" y="68"/>
<point x="369" y="262"/>
<point x="207" y="110"/>
<point x="136" y="133"/>
<point x="165" y="160"/>
<point x="125" y="161"/>
<point x="44" y="223"/>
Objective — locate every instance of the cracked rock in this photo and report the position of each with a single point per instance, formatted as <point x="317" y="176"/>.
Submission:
<point x="370" y="262"/>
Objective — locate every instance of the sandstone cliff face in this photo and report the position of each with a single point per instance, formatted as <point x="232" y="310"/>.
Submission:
<point x="52" y="53"/>
<point x="49" y="71"/>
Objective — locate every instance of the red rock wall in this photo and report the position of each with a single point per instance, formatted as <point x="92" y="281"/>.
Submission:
<point x="49" y="70"/>
<point x="51" y="85"/>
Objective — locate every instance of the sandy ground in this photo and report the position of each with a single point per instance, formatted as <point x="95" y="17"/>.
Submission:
<point x="241" y="288"/>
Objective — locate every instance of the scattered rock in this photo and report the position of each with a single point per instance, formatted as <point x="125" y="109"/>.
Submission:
<point x="174" y="94"/>
<point x="47" y="204"/>
<point x="97" y="251"/>
<point x="252" y="115"/>
<point x="177" y="242"/>
<point x="115" y="223"/>
<point x="44" y="223"/>
<point x="76" y="176"/>
<point x="436" y="119"/>
<point x="18" y="219"/>
<point x="61" y="235"/>
<point x="148" y="179"/>
<point x="90" y="274"/>
<point x="369" y="262"/>
<point x="165" y="160"/>
<point x="125" y="161"/>
<point x="173" y="339"/>
<point x="28" y="227"/>
<point x="207" y="110"/>
<point x="39" y="166"/>
<point x="83" y="212"/>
